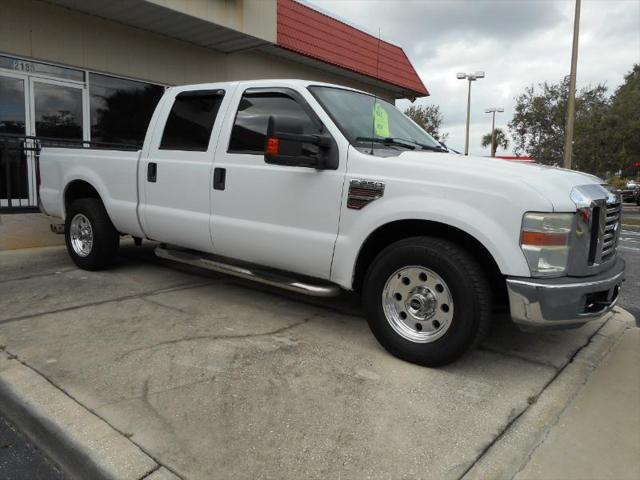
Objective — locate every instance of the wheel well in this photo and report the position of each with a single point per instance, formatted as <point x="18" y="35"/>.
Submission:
<point x="394" y="231"/>
<point x="78" y="189"/>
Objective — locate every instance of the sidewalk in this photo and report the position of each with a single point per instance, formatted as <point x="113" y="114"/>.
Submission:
<point x="598" y="435"/>
<point x="27" y="230"/>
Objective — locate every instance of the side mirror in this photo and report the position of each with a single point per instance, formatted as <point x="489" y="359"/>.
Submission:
<point x="287" y="145"/>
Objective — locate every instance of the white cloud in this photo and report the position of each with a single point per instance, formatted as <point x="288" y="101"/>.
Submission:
<point x="517" y="43"/>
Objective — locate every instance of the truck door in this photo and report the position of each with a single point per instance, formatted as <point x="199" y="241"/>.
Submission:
<point x="284" y="217"/>
<point x="176" y="171"/>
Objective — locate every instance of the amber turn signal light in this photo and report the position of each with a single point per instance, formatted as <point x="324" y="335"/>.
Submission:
<point x="543" y="239"/>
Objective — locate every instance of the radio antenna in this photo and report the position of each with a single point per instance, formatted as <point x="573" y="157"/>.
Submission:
<point x="375" y="93"/>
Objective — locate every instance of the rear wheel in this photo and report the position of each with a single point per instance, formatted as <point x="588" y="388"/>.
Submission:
<point x="427" y="300"/>
<point x="92" y="240"/>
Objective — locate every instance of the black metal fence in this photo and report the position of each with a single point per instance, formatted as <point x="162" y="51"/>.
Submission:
<point x="20" y="168"/>
<point x="18" y="174"/>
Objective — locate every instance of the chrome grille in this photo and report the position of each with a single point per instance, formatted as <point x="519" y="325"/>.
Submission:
<point x="594" y="240"/>
<point x="610" y="232"/>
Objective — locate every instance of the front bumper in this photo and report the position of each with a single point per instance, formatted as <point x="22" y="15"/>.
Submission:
<point x="565" y="301"/>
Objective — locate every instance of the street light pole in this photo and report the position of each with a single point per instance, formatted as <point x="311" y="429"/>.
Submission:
<point x="493" y="111"/>
<point x="466" y="135"/>
<point x="471" y="77"/>
<point x="571" y="102"/>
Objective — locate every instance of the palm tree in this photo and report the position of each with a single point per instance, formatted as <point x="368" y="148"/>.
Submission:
<point x="500" y="140"/>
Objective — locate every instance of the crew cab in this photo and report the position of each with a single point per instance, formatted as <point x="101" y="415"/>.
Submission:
<point x="320" y="189"/>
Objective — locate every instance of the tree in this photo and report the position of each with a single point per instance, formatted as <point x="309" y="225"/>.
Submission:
<point x="622" y="123"/>
<point x="538" y="125"/>
<point x="429" y="118"/>
<point x="499" y="140"/>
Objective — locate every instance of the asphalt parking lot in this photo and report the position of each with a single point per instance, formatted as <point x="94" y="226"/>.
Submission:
<point x="206" y="376"/>
<point x="629" y="249"/>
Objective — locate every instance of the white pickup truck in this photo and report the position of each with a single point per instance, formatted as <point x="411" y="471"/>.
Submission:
<point x="319" y="188"/>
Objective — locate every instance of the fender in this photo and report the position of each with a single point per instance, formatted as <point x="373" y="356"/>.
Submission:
<point x="122" y="212"/>
<point x="500" y="242"/>
<point x="83" y="175"/>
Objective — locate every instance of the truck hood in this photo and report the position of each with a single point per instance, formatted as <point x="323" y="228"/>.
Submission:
<point x="552" y="183"/>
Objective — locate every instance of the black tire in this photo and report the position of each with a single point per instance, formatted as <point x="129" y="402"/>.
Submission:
<point x="468" y="287"/>
<point x="106" y="238"/>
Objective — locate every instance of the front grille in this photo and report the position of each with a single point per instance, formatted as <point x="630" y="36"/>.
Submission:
<point x="610" y="233"/>
<point x="597" y="228"/>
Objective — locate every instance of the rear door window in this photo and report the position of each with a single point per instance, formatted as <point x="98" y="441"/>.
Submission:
<point x="191" y="120"/>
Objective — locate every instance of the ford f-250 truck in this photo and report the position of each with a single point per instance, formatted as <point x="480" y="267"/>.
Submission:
<point x="319" y="188"/>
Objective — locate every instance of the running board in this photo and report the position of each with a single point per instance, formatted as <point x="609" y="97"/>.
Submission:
<point x="249" y="272"/>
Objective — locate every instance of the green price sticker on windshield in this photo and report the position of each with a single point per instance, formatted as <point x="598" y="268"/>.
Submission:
<point x="380" y="121"/>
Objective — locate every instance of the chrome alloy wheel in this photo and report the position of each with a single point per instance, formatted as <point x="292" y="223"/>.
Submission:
<point x="81" y="234"/>
<point x="418" y="304"/>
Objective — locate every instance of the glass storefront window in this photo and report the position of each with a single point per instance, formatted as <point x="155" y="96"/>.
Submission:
<point x="58" y="111"/>
<point x="12" y="114"/>
<point x="12" y="122"/>
<point x="121" y="109"/>
<point x="27" y="66"/>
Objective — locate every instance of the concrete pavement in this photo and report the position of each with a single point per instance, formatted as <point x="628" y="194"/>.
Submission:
<point x="586" y="426"/>
<point x="27" y="230"/>
<point x="211" y="377"/>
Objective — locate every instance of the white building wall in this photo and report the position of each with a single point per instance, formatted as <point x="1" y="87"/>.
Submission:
<point x="253" y="17"/>
<point x="49" y="33"/>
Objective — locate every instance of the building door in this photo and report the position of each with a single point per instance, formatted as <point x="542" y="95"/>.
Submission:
<point x="14" y="125"/>
<point x="55" y="111"/>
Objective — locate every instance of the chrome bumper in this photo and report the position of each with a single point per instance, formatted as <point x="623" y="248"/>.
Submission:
<point x="565" y="301"/>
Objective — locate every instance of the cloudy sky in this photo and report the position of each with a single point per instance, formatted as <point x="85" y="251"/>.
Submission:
<point x="516" y="42"/>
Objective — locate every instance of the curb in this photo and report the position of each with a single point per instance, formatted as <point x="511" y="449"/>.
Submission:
<point x="510" y="453"/>
<point x="80" y="443"/>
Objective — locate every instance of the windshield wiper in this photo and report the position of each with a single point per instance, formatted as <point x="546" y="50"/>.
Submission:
<point x="387" y="141"/>
<point x="424" y="146"/>
<point x="401" y="142"/>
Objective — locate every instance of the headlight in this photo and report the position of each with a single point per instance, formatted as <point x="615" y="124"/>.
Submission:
<point x="544" y="239"/>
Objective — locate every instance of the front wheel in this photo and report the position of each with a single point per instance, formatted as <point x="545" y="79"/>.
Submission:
<point x="427" y="300"/>
<point x="92" y="240"/>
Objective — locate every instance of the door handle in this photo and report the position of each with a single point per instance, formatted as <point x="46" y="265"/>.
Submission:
<point x="152" y="172"/>
<point x="219" y="178"/>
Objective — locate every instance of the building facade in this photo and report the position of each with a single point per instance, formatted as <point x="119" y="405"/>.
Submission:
<point x="93" y="70"/>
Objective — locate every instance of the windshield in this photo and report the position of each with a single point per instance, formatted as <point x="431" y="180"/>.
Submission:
<point x="365" y="119"/>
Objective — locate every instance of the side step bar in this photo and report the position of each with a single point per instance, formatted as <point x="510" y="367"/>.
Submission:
<point x="249" y="272"/>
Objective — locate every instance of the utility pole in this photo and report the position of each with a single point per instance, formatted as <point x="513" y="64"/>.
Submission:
<point x="571" y="101"/>
<point x="493" y="111"/>
<point x="471" y="77"/>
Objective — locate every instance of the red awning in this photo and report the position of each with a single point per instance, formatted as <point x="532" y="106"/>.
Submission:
<point x="306" y="31"/>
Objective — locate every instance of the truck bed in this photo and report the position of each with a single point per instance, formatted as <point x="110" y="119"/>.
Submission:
<point x="113" y="173"/>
